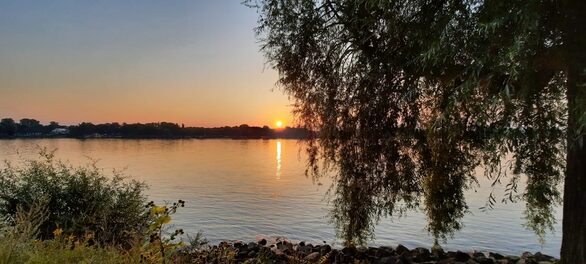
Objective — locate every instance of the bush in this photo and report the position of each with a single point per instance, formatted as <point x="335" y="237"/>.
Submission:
<point x="60" y="251"/>
<point x="159" y="246"/>
<point x="79" y="200"/>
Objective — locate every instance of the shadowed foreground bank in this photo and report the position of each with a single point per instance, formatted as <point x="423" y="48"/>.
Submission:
<point x="66" y="250"/>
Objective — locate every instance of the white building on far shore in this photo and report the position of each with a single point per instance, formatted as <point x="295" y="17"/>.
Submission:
<point x="60" y="131"/>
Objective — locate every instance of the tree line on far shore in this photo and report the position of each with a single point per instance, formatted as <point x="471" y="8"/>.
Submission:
<point x="27" y="128"/>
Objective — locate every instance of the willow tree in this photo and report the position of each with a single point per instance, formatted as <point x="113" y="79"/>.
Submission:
<point x="409" y="97"/>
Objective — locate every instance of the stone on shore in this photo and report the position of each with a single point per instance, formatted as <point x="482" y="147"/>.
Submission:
<point x="287" y="252"/>
<point x="312" y="257"/>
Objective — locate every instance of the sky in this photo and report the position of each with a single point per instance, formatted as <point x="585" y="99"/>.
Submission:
<point x="192" y="62"/>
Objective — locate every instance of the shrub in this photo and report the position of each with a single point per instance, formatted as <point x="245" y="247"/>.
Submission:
<point x="161" y="241"/>
<point x="159" y="246"/>
<point x="60" y="251"/>
<point x="78" y="200"/>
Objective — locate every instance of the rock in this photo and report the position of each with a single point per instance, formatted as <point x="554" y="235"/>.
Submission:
<point x="265" y="250"/>
<point x="305" y="250"/>
<point x="388" y="260"/>
<point x="252" y="245"/>
<point x="285" y="246"/>
<point x="405" y="258"/>
<point x="241" y="248"/>
<point x="526" y="261"/>
<point x="252" y="254"/>
<point x="421" y="250"/>
<point x="312" y="257"/>
<point x="283" y="251"/>
<point x="349" y="251"/>
<point x="461" y="256"/>
<point x="496" y="256"/>
<point x="385" y="252"/>
<point x="334" y="255"/>
<point x="542" y="257"/>
<point x="372" y="251"/>
<point x="438" y="253"/>
<point x="484" y="260"/>
<point x="296" y="247"/>
<point x="316" y="248"/>
<point x="277" y="251"/>
<point x="288" y="244"/>
<point x="325" y="249"/>
<point x="421" y="254"/>
<point x="360" y="254"/>
<point x="342" y="258"/>
<point x="401" y="249"/>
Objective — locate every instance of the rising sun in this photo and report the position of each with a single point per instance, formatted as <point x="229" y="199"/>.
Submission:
<point x="279" y="123"/>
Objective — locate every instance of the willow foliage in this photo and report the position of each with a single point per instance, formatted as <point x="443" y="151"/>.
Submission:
<point x="408" y="98"/>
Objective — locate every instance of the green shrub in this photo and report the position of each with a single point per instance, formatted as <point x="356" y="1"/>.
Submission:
<point x="61" y="251"/>
<point x="78" y="200"/>
<point x="161" y="243"/>
<point x="157" y="247"/>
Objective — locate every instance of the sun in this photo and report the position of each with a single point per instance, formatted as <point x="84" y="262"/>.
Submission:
<point x="279" y="123"/>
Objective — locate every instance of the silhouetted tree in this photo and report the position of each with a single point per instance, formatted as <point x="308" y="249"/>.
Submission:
<point x="108" y="129"/>
<point x="50" y="127"/>
<point x="409" y="97"/>
<point x="7" y="127"/>
<point x="29" y="126"/>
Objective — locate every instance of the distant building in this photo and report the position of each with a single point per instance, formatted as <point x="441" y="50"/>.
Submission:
<point x="60" y="131"/>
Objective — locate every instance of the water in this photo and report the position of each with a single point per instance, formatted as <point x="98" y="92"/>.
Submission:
<point x="240" y="189"/>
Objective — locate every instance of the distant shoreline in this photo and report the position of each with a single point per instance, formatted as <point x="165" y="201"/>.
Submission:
<point x="166" y="138"/>
<point x="31" y="128"/>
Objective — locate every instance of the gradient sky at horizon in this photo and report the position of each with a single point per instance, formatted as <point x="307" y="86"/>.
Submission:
<point x="191" y="62"/>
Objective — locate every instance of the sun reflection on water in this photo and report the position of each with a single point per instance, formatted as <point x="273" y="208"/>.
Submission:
<point x="278" y="174"/>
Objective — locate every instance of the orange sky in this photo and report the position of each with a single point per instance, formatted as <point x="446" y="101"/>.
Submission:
<point x="191" y="62"/>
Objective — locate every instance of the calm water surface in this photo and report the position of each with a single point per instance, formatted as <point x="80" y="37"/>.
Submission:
<point x="241" y="189"/>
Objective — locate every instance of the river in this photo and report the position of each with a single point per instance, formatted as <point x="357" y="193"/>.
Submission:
<point x="242" y="189"/>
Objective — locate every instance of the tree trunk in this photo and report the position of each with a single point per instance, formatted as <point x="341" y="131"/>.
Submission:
<point x="574" y="220"/>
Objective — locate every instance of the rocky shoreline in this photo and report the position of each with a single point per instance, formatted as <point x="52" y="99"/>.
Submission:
<point x="287" y="252"/>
